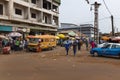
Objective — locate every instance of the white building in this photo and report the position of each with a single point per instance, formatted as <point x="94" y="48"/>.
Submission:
<point x="29" y="16"/>
<point x="86" y="29"/>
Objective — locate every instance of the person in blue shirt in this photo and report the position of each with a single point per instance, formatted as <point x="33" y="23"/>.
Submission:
<point x="67" y="45"/>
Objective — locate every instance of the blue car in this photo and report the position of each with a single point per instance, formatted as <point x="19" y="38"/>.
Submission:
<point x="108" y="49"/>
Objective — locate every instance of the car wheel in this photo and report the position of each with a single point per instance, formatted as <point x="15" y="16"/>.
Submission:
<point x="96" y="54"/>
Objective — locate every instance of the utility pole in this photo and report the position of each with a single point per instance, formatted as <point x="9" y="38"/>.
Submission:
<point x="96" y="27"/>
<point x="112" y="22"/>
<point x="87" y="1"/>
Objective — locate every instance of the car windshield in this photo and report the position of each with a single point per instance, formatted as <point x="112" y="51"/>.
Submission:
<point x="34" y="40"/>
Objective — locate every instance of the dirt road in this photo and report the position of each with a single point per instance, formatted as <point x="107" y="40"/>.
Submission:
<point x="54" y="65"/>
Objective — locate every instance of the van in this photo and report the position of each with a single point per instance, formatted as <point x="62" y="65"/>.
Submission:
<point x="40" y="42"/>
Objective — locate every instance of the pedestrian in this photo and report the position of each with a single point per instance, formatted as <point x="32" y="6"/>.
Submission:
<point x="0" y="45"/>
<point x="67" y="46"/>
<point x="86" y="43"/>
<point x="81" y="43"/>
<point x="93" y="45"/>
<point x="3" y="43"/>
<point x="17" y="45"/>
<point x="26" y="44"/>
<point x="74" y="47"/>
<point x="39" y="44"/>
<point x="79" y="46"/>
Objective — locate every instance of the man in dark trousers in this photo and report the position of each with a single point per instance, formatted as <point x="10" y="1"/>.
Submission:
<point x="67" y="46"/>
<point x="79" y="45"/>
<point x="74" y="47"/>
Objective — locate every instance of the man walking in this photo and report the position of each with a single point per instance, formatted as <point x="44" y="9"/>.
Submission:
<point x="67" y="46"/>
<point x="74" y="47"/>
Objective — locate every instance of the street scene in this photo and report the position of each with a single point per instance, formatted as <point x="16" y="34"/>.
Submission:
<point x="59" y="40"/>
<point x="52" y="65"/>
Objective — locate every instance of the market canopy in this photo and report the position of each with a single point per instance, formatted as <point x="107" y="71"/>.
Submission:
<point x="105" y="38"/>
<point x="116" y="38"/>
<point x="61" y="36"/>
<point x="57" y="37"/>
<point x="71" y="33"/>
<point x="3" y="37"/>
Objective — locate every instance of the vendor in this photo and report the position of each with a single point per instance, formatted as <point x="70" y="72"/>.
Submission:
<point x="0" y="45"/>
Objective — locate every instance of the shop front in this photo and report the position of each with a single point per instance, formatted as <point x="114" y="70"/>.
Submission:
<point x="23" y="31"/>
<point x="5" y="29"/>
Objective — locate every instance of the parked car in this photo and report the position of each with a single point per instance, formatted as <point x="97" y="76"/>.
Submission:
<point x="108" y="49"/>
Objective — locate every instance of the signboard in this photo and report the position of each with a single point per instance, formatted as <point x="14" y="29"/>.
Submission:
<point x="5" y="28"/>
<point x="27" y="30"/>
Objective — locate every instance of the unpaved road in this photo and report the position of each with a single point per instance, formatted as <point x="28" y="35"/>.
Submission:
<point x="54" y="65"/>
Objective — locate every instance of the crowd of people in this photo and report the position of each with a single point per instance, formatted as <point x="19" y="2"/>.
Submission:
<point x="16" y="44"/>
<point x="76" y="44"/>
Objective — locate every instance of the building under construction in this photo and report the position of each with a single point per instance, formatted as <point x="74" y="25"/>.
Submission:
<point x="29" y="16"/>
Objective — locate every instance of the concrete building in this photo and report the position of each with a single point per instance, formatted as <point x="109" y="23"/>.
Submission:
<point x="29" y="16"/>
<point x="86" y="29"/>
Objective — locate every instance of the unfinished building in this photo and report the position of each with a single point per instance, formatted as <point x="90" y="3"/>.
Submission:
<point x="29" y="16"/>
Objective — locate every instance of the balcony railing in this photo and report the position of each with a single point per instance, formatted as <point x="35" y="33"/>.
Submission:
<point x="26" y="0"/>
<point x="57" y="1"/>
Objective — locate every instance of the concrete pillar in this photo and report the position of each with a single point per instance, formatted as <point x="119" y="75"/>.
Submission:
<point x="41" y="16"/>
<point x="51" y="5"/>
<point x="10" y="9"/>
<point x="58" y="22"/>
<point x="41" y="3"/>
<point x="29" y="13"/>
<point x="51" y="19"/>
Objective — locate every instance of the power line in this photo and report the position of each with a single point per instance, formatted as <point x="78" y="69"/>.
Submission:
<point x="112" y="19"/>
<point x="98" y="19"/>
<point x="107" y="7"/>
<point x="103" y="18"/>
<point x="117" y="18"/>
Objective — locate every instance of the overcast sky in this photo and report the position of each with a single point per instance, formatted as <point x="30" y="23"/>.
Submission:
<point x="78" y="12"/>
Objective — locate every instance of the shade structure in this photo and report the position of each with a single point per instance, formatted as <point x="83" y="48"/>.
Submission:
<point x="57" y="37"/>
<point x="2" y="36"/>
<point x="105" y="38"/>
<point x="71" y="33"/>
<point x="116" y="38"/>
<point x="14" y="34"/>
<point x="77" y="37"/>
<point x="62" y="36"/>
